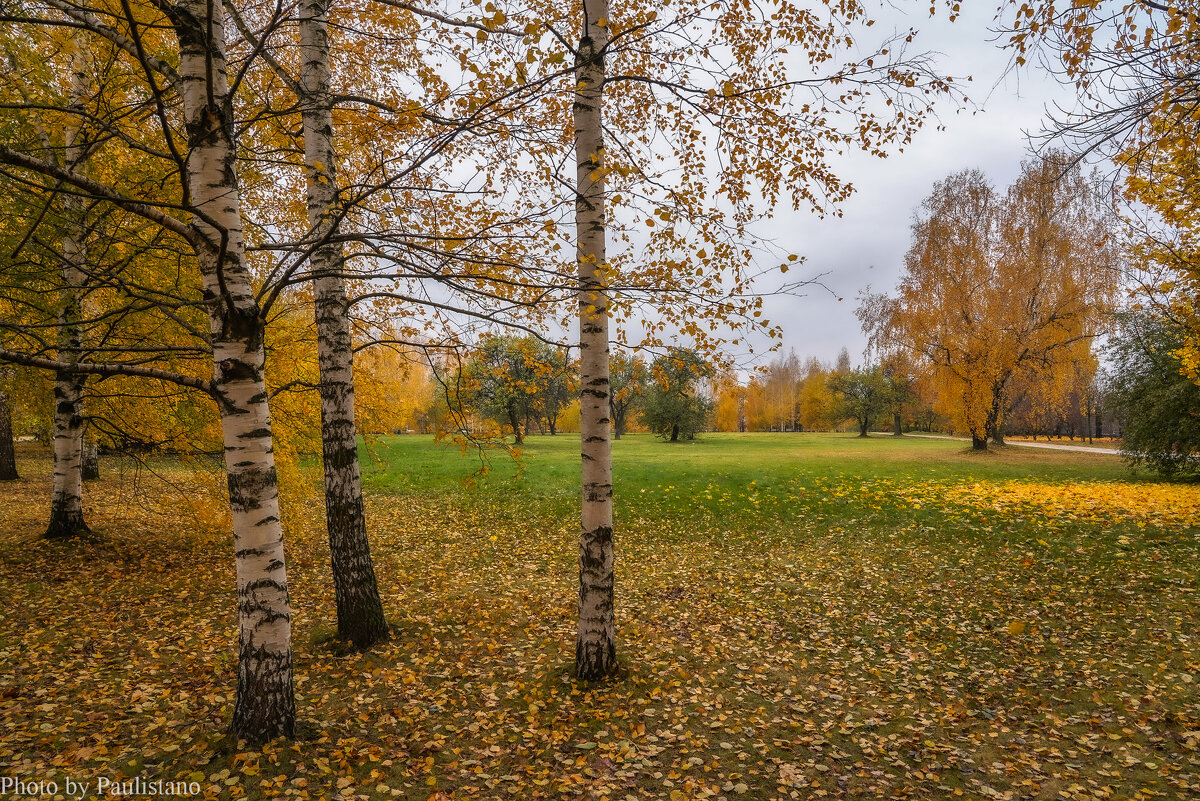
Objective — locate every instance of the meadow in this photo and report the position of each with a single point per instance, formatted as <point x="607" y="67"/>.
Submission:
<point x="800" y="616"/>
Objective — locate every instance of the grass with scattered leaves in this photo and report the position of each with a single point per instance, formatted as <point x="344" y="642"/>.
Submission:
<point x="800" y="616"/>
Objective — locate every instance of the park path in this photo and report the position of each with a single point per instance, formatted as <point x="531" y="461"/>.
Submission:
<point x="1050" y="446"/>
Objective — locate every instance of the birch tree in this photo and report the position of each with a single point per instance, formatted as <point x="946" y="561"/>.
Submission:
<point x="264" y="706"/>
<point x="1133" y="64"/>
<point x="359" y="609"/>
<point x="595" y="641"/>
<point x="691" y="76"/>
<point x="66" y="502"/>
<point x="999" y="290"/>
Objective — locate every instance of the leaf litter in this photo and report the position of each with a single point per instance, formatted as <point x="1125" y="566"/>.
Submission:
<point x="823" y="637"/>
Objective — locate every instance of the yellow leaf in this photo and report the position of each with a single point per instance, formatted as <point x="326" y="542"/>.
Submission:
<point x="1016" y="627"/>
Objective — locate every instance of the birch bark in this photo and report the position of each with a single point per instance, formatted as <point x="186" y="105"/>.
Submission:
<point x="359" y="608"/>
<point x="265" y="703"/>
<point x="66" y="501"/>
<point x="595" y="644"/>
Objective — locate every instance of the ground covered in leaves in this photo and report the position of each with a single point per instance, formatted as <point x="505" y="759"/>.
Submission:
<point x="799" y="617"/>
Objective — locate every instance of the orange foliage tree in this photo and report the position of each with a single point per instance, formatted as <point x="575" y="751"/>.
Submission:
<point x="1000" y="290"/>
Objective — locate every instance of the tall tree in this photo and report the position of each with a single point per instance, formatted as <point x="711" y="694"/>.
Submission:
<point x="265" y="704"/>
<point x="359" y="608"/>
<point x="196" y="92"/>
<point x="1021" y="285"/>
<point x="595" y="641"/>
<point x="1133" y="64"/>
<point x="66" y="502"/>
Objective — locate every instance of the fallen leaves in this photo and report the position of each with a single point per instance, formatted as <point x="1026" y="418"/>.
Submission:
<point x="806" y="635"/>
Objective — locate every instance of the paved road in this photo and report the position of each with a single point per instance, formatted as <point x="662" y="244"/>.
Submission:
<point x="1050" y="446"/>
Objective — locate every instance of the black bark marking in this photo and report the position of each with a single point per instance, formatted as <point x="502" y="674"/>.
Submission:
<point x="265" y="707"/>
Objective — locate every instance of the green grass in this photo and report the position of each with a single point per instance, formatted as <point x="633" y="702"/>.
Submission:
<point x="774" y="482"/>
<point x="799" y="616"/>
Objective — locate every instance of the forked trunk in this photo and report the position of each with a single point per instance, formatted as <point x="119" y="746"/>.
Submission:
<point x="978" y="443"/>
<point x="66" y="500"/>
<point x="8" y="452"/>
<point x="360" y="617"/>
<point x="595" y="643"/>
<point x="265" y="704"/>
<point x="862" y="428"/>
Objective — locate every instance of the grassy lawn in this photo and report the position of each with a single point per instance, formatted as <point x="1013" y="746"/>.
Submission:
<point x="800" y="616"/>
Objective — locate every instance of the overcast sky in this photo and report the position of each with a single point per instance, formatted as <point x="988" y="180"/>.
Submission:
<point x="867" y="245"/>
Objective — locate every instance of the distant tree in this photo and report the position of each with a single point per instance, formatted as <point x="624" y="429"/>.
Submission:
<point x="627" y="386"/>
<point x="1157" y="401"/>
<point x="514" y="380"/>
<point x="842" y="365"/>
<point x="500" y="382"/>
<point x="729" y="412"/>
<point x="673" y="406"/>
<point x="1000" y="290"/>
<point x="814" y="398"/>
<point x="862" y="393"/>
<point x="901" y="387"/>
<point x="555" y="385"/>
<point x="780" y="391"/>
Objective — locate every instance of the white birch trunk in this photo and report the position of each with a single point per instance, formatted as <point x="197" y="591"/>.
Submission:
<point x="66" y="501"/>
<point x="359" y="608"/>
<point x="265" y="704"/>
<point x="595" y="644"/>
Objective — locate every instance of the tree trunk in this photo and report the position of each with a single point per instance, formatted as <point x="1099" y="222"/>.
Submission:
<point x="618" y="421"/>
<point x="91" y="461"/>
<point x="8" y="452"/>
<point x="66" y="501"/>
<point x="978" y="443"/>
<point x="995" y="418"/>
<point x="265" y="703"/>
<point x="862" y="428"/>
<point x="897" y="425"/>
<point x="674" y="433"/>
<point x="595" y="643"/>
<point x="515" y="422"/>
<point x="360" y="617"/>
